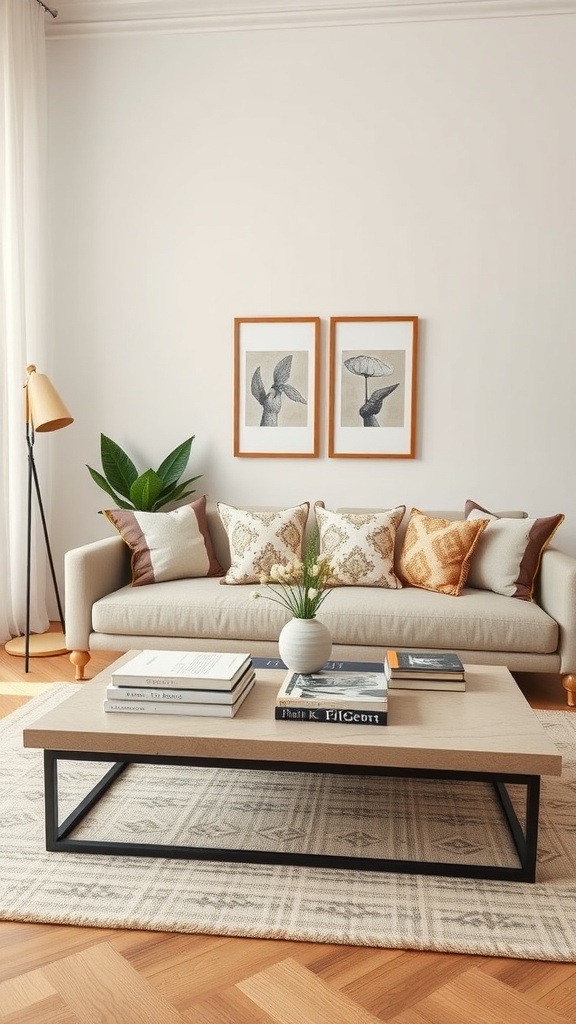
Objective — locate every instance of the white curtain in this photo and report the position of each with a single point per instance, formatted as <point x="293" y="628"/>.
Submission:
<point x="22" y="296"/>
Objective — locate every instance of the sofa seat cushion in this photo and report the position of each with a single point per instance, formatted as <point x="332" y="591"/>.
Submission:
<point x="360" y="616"/>
<point x="191" y="607"/>
<point x="413" y="617"/>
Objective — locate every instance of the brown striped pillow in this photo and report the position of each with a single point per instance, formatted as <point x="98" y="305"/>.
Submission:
<point x="508" y="554"/>
<point x="167" y="545"/>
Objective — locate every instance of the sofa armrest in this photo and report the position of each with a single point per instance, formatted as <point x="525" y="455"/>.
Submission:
<point x="91" y="572"/>
<point x="556" y="594"/>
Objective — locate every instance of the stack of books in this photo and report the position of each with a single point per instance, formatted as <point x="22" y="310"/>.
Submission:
<point x="339" y="697"/>
<point x="424" y="670"/>
<point x="181" y="683"/>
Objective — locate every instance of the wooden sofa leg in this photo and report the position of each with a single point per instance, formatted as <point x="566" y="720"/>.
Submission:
<point x="569" y="684"/>
<point x="79" y="659"/>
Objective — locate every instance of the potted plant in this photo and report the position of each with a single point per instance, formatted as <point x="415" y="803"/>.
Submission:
<point x="143" y="492"/>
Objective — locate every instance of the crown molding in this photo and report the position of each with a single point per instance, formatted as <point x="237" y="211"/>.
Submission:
<point x="111" y="17"/>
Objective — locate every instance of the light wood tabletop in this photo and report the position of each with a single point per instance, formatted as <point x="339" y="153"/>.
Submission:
<point x="488" y="728"/>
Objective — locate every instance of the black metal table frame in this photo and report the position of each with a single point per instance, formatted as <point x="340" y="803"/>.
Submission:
<point x="58" y="835"/>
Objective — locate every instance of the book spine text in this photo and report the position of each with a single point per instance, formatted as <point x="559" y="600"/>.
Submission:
<point x="338" y="716"/>
<point x="170" y="696"/>
<point x="149" y="707"/>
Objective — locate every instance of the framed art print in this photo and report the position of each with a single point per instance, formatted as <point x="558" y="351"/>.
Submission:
<point x="276" y="387"/>
<point x="373" y="387"/>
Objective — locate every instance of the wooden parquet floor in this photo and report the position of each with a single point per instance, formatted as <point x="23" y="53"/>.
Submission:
<point x="51" y="974"/>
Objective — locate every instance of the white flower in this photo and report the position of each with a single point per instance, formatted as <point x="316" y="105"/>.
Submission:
<point x="298" y="585"/>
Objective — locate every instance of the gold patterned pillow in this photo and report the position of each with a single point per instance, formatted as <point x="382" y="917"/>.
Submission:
<point x="360" y="546"/>
<point x="260" y="538"/>
<point x="436" y="553"/>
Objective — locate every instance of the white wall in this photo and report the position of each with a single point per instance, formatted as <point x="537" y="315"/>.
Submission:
<point x="424" y="169"/>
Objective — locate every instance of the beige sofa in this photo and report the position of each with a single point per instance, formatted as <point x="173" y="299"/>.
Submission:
<point x="104" y="612"/>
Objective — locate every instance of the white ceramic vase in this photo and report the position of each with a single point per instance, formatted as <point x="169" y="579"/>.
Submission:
<point x="304" y="645"/>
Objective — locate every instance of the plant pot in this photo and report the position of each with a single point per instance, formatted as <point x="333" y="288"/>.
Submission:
<point x="304" y="645"/>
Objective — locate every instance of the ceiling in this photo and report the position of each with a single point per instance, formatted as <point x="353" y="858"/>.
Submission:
<point x="86" y="17"/>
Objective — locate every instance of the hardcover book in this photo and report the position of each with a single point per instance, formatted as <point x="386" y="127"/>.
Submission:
<point x="330" y="666"/>
<point x="363" y="690"/>
<point x="153" y="707"/>
<point x="172" y="695"/>
<point x="201" y="670"/>
<point x="336" y="716"/>
<point x="424" y="665"/>
<point x="442" y="683"/>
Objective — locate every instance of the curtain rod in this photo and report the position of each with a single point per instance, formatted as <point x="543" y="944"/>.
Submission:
<point x="49" y="10"/>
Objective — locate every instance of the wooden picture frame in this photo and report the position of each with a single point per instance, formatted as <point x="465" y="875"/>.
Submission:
<point x="276" y="387"/>
<point x="373" y="362"/>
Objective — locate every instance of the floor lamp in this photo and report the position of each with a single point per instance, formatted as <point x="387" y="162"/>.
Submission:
<point x="45" y="411"/>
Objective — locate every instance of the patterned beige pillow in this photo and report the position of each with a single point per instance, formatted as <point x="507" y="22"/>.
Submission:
<point x="436" y="553"/>
<point x="259" y="538"/>
<point x="167" y="545"/>
<point x="360" y="546"/>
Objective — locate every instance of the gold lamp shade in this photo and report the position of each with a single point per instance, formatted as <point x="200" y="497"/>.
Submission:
<point x="45" y="409"/>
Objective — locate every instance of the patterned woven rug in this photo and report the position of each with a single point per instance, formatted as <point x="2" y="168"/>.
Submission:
<point x="291" y="811"/>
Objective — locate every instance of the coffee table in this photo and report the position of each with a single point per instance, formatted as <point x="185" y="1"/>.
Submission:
<point x="488" y="734"/>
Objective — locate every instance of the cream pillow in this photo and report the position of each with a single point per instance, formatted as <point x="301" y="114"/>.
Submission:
<point x="167" y="545"/>
<point x="360" y="546"/>
<point x="258" y="539"/>
<point x="436" y="553"/>
<point x="508" y="554"/>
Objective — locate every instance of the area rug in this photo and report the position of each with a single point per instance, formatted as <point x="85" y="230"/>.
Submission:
<point x="288" y="811"/>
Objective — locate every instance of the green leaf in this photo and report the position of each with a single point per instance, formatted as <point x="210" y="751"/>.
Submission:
<point x="162" y="500"/>
<point x="119" y="469"/>
<point x="99" y="479"/>
<point x="174" y="464"/>
<point x="174" y="493"/>
<point x="145" y="490"/>
<point x="312" y="550"/>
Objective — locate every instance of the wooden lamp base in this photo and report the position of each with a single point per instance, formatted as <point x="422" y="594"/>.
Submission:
<point x="41" y="645"/>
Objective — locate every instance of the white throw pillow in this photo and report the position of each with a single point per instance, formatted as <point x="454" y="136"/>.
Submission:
<point x="507" y="557"/>
<point x="167" y="545"/>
